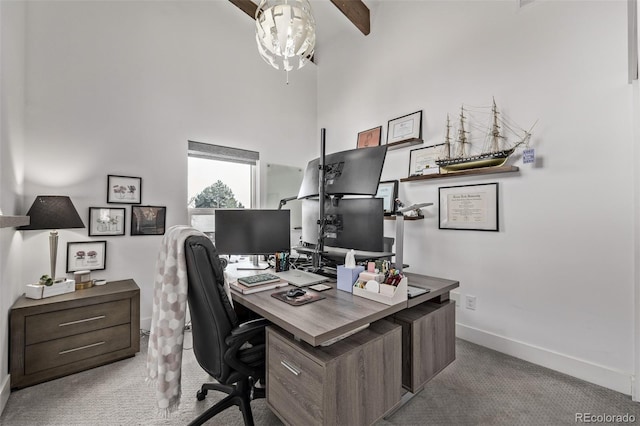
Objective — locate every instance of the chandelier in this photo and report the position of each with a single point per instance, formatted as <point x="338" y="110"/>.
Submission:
<point x="285" y="33"/>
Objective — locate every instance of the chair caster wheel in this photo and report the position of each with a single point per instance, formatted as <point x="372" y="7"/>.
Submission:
<point x="201" y="395"/>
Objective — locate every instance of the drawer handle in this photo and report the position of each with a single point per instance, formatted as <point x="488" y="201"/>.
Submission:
<point x="93" y="345"/>
<point x="81" y="321"/>
<point x="290" y="368"/>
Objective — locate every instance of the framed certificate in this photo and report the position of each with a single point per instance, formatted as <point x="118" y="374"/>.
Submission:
<point x="423" y="160"/>
<point x="469" y="207"/>
<point x="405" y="128"/>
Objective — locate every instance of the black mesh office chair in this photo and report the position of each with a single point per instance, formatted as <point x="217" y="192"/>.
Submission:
<point x="218" y="335"/>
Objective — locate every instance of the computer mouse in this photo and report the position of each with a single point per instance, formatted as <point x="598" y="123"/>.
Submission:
<point x="296" y="292"/>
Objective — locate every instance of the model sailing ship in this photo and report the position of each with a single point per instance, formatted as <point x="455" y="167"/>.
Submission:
<point x="495" y="153"/>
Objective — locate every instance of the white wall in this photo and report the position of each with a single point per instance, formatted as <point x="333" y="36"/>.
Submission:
<point x="119" y="88"/>
<point x="12" y="39"/>
<point x="555" y="285"/>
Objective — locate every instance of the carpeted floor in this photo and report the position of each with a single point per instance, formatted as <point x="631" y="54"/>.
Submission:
<point x="482" y="387"/>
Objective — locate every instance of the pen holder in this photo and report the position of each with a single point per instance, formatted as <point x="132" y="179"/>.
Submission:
<point x="347" y="277"/>
<point x="282" y="261"/>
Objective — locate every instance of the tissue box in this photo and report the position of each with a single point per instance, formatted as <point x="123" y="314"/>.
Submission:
<point x="38" y="291"/>
<point x="347" y="277"/>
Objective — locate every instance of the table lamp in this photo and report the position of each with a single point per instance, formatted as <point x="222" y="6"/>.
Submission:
<point x="53" y="212"/>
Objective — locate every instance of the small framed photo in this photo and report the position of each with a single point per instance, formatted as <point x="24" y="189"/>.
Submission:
<point x="124" y="189"/>
<point x="371" y="137"/>
<point x="405" y="128"/>
<point x="422" y="161"/>
<point x="106" y="221"/>
<point x="86" y="255"/>
<point x="469" y="207"/>
<point x="148" y="220"/>
<point x="388" y="191"/>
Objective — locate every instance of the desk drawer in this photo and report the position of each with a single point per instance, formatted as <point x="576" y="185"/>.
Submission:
<point x="68" y="322"/>
<point x="294" y="383"/>
<point x="55" y="353"/>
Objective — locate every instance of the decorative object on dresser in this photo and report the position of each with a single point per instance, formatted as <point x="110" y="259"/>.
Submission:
<point x="82" y="279"/>
<point x="371" y="137"/>
<point x="72" y="332"/>
<point x="106" y="221"/>
<point x="52" y="212"/>
<point x="148" y="220"/>
<point x="405" y="128"/>
<point x="124" y="189"/>
<point x="89" y="255"/>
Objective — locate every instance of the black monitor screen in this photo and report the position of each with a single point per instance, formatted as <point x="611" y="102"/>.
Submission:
<point x="353" y="172"/>
<point x="252" y="231"/>
<point x="354" y="223"/>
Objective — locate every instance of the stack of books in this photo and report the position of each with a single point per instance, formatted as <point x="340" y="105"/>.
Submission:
<point x="241" y="288"/>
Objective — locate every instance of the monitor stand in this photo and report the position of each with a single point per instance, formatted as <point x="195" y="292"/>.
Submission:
<point x="255" y="266"/>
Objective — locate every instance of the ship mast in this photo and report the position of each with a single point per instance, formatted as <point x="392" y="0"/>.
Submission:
<point x="495" y="129"/>
<point x="447" y="141"/>
<point x="462" y="136"/>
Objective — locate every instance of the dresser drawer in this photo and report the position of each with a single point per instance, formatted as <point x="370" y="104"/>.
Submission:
<point x="294" y="381"/>
<point x="55" y="353"/>
<point x="69" y="322"/>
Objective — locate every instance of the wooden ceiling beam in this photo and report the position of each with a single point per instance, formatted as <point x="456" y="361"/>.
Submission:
<point x="357" y="12"/>
<point x="247" y="6"/>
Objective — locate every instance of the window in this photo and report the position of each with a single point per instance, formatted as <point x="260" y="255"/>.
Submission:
<point x="218" y="177"/>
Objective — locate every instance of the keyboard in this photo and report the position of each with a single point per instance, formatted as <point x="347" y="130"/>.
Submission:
<point x="253" y="280"/>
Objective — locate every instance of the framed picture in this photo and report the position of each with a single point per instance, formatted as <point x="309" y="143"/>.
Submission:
<point x="148" y="220"/>
<point x="106" y="221"/>
<point x="405" y="128"/>
<point x="371" y="137"/>
<point x="86" y="255"/>
<point x="388" y="191"/>
<point x="469" y="207"/>
<point x="423" y="160"/>
<point x="124" y="189"/>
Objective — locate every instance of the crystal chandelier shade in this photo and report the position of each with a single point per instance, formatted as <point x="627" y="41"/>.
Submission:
<point x="285" y="33"/>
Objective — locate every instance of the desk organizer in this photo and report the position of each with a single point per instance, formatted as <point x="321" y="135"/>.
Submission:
<point x="386" y="294"/>
<point x="39" y="291"/>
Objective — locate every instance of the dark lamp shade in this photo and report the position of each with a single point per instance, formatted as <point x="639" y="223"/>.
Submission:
<point x="53" y="212"/>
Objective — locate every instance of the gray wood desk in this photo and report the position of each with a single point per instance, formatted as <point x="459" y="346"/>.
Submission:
<point x="357" y="380"/>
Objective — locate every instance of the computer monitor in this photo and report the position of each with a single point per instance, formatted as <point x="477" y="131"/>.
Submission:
<point x="252" y="232"/>
<point x="351" y="223"/>
<point x="352" y="172"/>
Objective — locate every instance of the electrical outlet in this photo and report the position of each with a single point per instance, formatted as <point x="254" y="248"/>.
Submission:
<point x="470" y="302"/>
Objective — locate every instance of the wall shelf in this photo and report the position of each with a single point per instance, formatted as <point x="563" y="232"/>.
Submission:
<point x="470" y="172"/>
<point x="12" y="221"/>
<point x="401" y="144"/>
<point x="405" y="218"/>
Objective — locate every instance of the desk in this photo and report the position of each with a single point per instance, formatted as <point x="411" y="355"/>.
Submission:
<point x="358" y="379"/>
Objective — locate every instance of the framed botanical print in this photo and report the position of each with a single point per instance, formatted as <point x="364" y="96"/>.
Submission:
<point x="106" y="221"/>
<point x="124" y="189"/>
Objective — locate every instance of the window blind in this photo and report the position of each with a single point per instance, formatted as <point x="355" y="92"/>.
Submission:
<point x="222" y="153"/>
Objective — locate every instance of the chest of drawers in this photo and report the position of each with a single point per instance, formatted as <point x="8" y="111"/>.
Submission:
<point x="65" y="334"/>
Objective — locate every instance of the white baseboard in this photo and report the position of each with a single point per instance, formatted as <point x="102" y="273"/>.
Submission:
<point x="145" y="323"/>
<point x="620" y="381"/>
<point x="5" y="392"/>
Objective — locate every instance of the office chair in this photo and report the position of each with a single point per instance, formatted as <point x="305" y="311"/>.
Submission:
<point x="218" y="336"/>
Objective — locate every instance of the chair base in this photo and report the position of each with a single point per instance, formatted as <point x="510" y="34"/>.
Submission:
<point x="238" y="395"/>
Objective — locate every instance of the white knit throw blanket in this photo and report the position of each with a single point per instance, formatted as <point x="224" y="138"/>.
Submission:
<point x="164" y="358"/>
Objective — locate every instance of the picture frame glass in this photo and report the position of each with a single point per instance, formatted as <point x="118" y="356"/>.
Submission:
<point x="106" y="221"/>
<point x="423" y="160"/>
<point x="148" y="220"/>
<point x="469" y="207"/>
<point x="405" y="128"/>
<point x="371" y="137"/>
<point x="86" y="255"/>
<point x="124" y="189"/>
<point x="388" y="191"/>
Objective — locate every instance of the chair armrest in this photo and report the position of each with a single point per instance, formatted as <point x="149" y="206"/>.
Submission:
<point x="238" y="337"/>
<point x="246" y="330"/>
